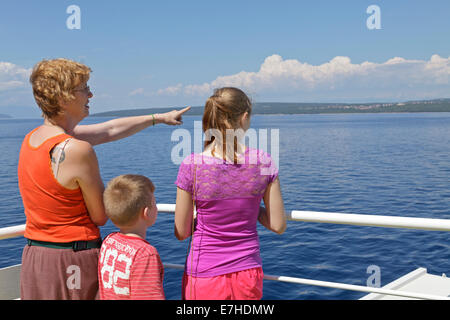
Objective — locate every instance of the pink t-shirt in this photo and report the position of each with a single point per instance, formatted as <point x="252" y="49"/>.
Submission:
<point x="129" y="268"/>
<point x="227" y="197"/>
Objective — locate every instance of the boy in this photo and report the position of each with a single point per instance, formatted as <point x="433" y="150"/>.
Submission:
<point x="129" y="267"/>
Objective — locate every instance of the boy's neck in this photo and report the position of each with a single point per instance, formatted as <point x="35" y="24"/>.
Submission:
<point x="134" y="231"/>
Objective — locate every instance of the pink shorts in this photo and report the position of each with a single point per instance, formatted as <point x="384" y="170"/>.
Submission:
<point x="240" y="285"/>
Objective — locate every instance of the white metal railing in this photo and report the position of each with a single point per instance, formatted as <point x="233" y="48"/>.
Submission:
<point x="371" y="220"/>
<point x="321" y="217"/>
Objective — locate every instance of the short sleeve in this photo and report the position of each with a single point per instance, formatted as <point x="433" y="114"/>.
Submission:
<point x="268" y="167"/>
<point x="146" y="280"/>
<point x="184" y="178"/>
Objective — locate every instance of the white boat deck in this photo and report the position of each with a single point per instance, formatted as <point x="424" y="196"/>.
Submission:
<point x="416" y="281"/>
<point x="10" y="283"/>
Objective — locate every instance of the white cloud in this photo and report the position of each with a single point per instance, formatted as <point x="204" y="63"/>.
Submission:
<point x="7" y="85"/>
<point x="169" y="91"/>
<point x="137" y="91"/>
<point x="397" y="77"/>
<point x="13" y="76"/>
<point x="173" y="90"/>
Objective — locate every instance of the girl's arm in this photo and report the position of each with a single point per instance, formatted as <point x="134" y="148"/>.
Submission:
<point x="183" y="214"/>
<point x="124" y="127"/>
<point x="273" y="216"/>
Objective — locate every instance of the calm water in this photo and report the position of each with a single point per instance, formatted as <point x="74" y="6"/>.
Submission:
<point x="388" y="164"/>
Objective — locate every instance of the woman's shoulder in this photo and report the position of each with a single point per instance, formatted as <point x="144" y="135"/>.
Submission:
<point x="77" y="149"/>
<point x="78" y="145"/>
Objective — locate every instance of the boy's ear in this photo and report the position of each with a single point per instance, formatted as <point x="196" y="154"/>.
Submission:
<point x="145" y="212"/>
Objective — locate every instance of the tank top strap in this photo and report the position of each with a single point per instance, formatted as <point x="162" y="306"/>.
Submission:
<point x="49" y="144"/>
<point x="59" y="156"/>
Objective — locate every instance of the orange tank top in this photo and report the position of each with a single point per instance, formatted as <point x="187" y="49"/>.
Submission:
<point x="53" y="212"/>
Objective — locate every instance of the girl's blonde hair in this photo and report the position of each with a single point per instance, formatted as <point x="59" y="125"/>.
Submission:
<point x="223" y="110"/>
<point x="55" y="80"/>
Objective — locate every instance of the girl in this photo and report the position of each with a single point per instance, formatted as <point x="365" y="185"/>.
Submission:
<point x="227" y="182"/>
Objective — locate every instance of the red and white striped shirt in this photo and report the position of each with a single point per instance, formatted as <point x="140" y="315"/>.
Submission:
<point x="129" y="268"/>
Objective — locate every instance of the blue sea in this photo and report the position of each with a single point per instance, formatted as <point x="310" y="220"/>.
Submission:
<point x="385" y="164"/>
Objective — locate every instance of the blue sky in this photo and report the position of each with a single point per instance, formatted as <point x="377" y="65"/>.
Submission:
<point x="173" y="53"/>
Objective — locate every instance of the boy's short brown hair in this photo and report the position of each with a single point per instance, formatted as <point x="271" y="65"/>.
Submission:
<point x="125" y="196"/>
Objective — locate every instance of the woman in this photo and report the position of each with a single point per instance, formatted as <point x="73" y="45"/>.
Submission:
<point x="227" y="182"/>
<point x="60" y="183"/>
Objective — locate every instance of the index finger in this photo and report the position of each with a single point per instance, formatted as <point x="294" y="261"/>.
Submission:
<point x="184" y="110"/>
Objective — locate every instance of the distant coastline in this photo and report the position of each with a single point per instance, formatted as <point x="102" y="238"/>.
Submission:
<point x="436" y="105"/>
<point x="271" y="108"/>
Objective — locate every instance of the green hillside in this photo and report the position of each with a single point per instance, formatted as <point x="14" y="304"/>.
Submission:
<point x="439" y="105"/>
